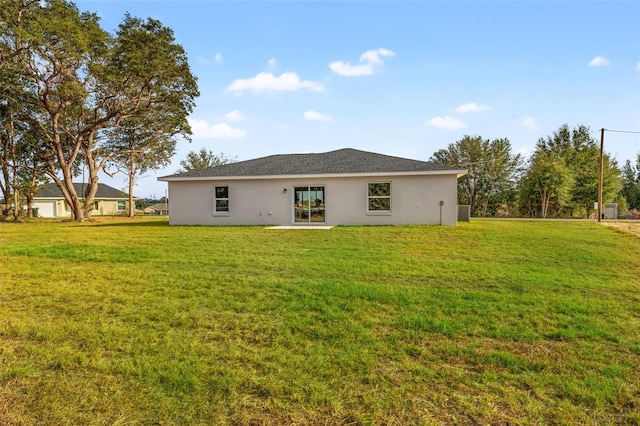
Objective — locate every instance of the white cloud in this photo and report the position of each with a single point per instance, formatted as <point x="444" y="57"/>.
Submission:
<point x="234" y="115"/>
<point x="599" y="61"/>
<point x="203" y="129"/>
<point x="524" y="152"/>
<point x="373" y="56"/>
<point x="208" y="60"/>
<point x="370" y="58"/>
<point x="446" y="123"/>
<point x="272" y="62"/>
<point x="473" y="107"/>
<point x="316" y="116"/>
<point x="530" y="123"/>
<point x="349" y="70"/>
<point x="266" y="81"/>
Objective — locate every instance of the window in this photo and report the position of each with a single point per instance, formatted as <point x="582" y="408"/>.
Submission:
<point x="379" y="197"/>
<point x="221" y="199"/>
<point x="96" y="205"/>
<point x="121" y="206"/>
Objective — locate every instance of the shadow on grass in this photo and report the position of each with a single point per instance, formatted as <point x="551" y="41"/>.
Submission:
<point x="134" y="222"/>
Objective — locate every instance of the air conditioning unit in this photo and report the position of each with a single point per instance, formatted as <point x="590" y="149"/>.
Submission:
<point x="464" y="213"/>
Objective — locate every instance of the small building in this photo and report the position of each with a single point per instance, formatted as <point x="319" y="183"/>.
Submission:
<point x="610" y="211"/>
<point x="343" y="187"/>
<point x="108" y="201"/>
<point x="161" y="209"/>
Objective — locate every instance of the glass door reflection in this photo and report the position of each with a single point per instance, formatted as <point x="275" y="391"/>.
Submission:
<point x="309" y="204"/>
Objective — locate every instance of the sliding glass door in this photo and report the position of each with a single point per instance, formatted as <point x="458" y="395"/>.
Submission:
<point x="308" y="204"/>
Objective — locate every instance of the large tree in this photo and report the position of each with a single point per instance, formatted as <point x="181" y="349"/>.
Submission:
<point x="87" y="82"/>
<point x="22" y="163"/>
<point x="564" y="172"/>
<point x="146" y="140"/>
<point x="492" y="171"/>
<point x="8" y="150"/>
<point x="545" y="186"/>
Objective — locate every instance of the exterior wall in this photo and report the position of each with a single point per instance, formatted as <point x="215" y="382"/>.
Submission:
<point x="108" y="208"/>
<point x="47" y="208"/>
<point x="62" y="209"/>
<point x="51" y="208"/>
<point x="414" y="200"/>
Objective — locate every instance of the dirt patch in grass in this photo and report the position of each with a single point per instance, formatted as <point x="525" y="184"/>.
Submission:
<point x="628" y="227"/>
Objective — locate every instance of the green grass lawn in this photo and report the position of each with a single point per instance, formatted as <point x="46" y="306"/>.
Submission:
<point x="491" y="322"/>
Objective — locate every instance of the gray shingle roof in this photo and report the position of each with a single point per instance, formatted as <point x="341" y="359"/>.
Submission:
<point x="342" y="161"/>
<point x="104" y="191"/>
<point x="160" y="206"/>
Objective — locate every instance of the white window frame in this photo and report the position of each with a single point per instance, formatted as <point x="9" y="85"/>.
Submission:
<point x="371" y="197"/>
<point x="310" y="208"/>
<point x="217" y="212"/>
<point x="124" y="206"/>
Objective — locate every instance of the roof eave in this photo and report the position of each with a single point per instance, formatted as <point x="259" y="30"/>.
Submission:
<point x="457" y="172"/>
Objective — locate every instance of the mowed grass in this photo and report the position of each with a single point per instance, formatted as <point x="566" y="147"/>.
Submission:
<point x="491" y="322"/>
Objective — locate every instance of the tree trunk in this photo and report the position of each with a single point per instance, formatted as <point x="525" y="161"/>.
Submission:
<point x="132" y="206"/>
<point x="30" y="193"/>
<point x="90" y="194"/>
<point x="545" y="198"/>
<point x="29" y="199"/>
<point x="77" y="211"/>
<point x="14" y="171"/>
<point x="16" y="206"/>
<point x="6" y="188"/>
<point x="64" y="160"/>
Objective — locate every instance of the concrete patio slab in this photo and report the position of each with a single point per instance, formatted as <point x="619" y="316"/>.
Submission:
<point x="300" y="227"/>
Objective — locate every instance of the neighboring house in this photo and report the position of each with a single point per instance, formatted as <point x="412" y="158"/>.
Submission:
<point x="108" y="201"/>
<point x="343" y="187"/>
<point x="157" y="209"/>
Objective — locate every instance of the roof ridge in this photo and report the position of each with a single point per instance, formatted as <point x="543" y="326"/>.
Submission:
<point x="340" y="161"/>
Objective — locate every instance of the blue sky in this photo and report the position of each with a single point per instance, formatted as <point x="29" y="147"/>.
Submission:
<point x="404" y="78"/>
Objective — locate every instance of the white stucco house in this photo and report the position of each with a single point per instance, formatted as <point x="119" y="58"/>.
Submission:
<point x="343" y="187"/>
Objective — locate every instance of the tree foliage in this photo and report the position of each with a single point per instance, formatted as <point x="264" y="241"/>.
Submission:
<point x="546" y="185"/>
<point x="492" y="172"/>
<point x="147" y="140"/>
<point x="563" y="175"/>
<point x="631" y="183"/>
<point x="84" y="82"/>
<point x="22" y="162"/>
<point x="203" y="159"/>
<point x="138" y="148"/>
<point x="19" y="28"/>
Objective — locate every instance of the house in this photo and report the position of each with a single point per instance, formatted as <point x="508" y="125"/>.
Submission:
<point x="157" y="209"/>
<point x="343" y="187"/>
<point x="108" y="201"/>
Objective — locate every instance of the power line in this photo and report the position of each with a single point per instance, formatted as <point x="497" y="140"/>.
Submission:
<point x="621" y="131"/>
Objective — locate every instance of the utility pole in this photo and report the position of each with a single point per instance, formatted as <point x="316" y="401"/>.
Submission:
<point x="600" y="183"/>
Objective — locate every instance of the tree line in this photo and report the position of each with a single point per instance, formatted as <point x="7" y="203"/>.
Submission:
<point x="560" y="178"/>
<point x="75" y="99"/>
